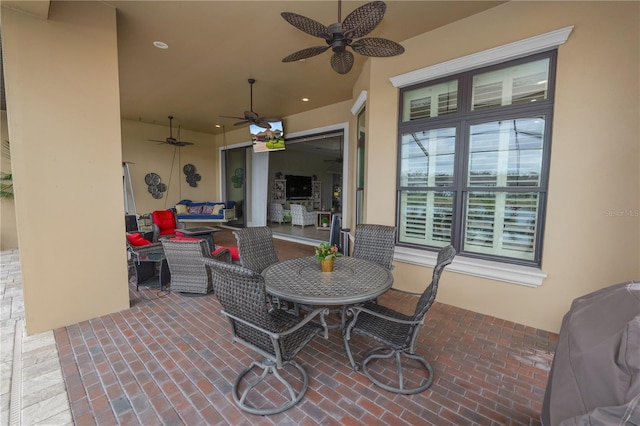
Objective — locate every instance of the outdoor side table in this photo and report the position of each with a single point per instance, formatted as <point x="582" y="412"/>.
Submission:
<point x="151" y="269"/>
<point x="203" y="233"/>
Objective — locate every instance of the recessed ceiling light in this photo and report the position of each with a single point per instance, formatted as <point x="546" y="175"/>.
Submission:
<point x="305" y="99"/>
<point x="218" y="126"/>
<point x="160" y="44"/>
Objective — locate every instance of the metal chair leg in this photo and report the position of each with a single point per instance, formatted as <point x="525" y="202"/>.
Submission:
<point x="268" y="369"/>
<point x="374" y="353"/>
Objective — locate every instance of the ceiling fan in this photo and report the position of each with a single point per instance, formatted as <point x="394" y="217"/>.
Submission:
<point x="171" y="140"/>
<point x="341" y="35"/>
<point x="251" y="117"/>
<point x="339" y="158"/>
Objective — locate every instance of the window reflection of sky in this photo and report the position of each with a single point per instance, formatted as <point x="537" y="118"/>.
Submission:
<point x="428" y="154"/>
<point x="523" y="150"/>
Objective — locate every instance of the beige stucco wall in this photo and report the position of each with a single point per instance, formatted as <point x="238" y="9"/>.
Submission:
<point x="168" y="161"/>
<point x="594" y="159"/>
<point x="61" y="79"/>
<point x="68" y="154"/>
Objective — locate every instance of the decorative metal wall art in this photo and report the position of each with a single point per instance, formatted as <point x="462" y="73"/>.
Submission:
<point x="192" y="177"/>
<point x="154" y="185"/>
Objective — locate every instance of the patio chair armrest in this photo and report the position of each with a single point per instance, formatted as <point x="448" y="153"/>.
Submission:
<point x="149" y="248"/>
<point x="273" y="335"/>
<point x="223" y="255"/>
<point x="356" y="310"/>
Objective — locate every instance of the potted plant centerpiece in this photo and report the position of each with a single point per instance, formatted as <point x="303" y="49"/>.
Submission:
<point x="324" y="221"/>
<point x="325" y="255"/>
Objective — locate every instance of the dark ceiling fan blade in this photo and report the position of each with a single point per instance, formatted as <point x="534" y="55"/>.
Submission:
<point x="232" y="116"/>
<point x="241" y="123"/>
<point x="305" y="53"/>
<point x="182" y="143"/>
<point x="364" y="19"/>
<point x="250" y="116"/>
<point x="307" y="25"/>
<point x="261" y="122"/>
<point x="342" y="62"/>
<point x="377" y="47"/>
<point x="156" y="140"/>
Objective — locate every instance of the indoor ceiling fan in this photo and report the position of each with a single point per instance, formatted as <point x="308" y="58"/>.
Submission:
<point x="339" y="158"/>
<point x="251" y="117"/>
<point x="341" y="35"/>
<point x="171" y="140"/>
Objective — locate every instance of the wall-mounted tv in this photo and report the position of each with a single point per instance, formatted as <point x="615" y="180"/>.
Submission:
<point x="265" y="140"/>
<point x="299" y="186"/>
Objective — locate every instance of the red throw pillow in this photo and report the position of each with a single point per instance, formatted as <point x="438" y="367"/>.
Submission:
<point x="137" y="240"/>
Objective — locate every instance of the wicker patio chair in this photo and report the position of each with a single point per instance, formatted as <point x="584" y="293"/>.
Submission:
<point x="188" y="273"/>
<point x="165" y="224"/>
<point x="276" y="213"/>
<point x="397" y="333"/>
<point x="375" y="243"/>
<point x="275" y="334"/>
<point x="255" y="248"/>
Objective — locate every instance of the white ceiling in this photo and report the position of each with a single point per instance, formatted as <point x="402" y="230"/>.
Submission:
<point x="216" y="46"/>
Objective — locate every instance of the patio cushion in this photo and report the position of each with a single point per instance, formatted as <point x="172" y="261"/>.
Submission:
<point x="182" y="209"/>
<point x="233" y="250"/>
<point x="165" y="220"/>
<point x="137" y="240"/>
<point x="195" y="209"/>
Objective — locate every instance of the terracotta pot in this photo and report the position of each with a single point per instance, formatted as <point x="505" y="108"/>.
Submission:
<point x="326" y="265"/>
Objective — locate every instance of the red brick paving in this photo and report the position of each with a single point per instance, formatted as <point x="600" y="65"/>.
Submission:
<point x="169" y="360"/>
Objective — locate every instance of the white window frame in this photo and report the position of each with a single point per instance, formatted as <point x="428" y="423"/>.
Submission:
<point x="517" y="274"/>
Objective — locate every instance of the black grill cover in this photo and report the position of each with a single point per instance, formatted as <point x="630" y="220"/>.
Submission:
<point x="595" y="375"/>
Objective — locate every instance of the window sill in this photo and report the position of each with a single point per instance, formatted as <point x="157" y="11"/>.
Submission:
<point x="514" y="274"/>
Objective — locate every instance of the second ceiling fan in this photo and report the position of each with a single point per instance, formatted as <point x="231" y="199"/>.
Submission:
<point x="251" y="117"/>
<point x="341" y="35"/>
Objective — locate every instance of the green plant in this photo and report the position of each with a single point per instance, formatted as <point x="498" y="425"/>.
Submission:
<point x="325" y="251"/>
<point x="324" y="220"/>
<point x="6" y="179"/>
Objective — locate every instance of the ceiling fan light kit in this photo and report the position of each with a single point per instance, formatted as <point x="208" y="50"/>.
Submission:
<point x="341" y="35"/>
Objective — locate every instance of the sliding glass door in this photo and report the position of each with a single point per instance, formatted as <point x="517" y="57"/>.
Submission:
<point x="235" y="183"/>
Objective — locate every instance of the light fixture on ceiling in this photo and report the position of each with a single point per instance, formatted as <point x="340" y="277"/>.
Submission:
<point x="160" y="44"/>
<point x="305" y="99"/>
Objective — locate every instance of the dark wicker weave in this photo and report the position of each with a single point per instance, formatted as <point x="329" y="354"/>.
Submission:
<point x="255" y="248"/>
<point x="397" y="332"/>
<point x="375" y="243"/>
<point x="188" y="273"/>
<point x="275" y="334"/>
<point x="145" y="270"/>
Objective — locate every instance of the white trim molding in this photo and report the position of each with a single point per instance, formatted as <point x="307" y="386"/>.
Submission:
<point x="507" y="272"/>
<point x="359" y="103"/>
<point x="514" y="50"/>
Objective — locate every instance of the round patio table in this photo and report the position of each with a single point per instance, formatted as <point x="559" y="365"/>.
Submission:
<point x="352" y="281"/>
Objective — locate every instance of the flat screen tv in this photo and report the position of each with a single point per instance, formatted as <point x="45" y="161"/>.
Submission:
<point x="265" y="140"/>
<point x="299" y="186"/>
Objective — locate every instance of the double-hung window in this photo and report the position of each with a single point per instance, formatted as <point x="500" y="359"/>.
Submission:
<point x="473" y="160"/>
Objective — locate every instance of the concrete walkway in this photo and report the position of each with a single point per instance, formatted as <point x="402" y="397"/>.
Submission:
<point x="32" y="386"/>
